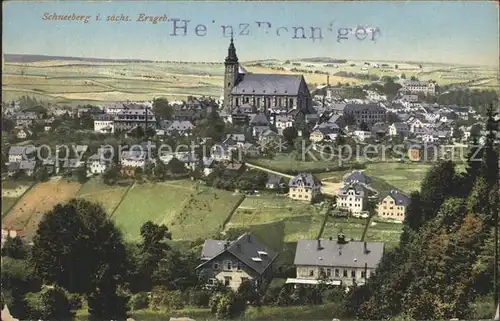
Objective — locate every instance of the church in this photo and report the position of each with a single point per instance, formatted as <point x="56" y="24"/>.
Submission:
<point x="263" y="93"/>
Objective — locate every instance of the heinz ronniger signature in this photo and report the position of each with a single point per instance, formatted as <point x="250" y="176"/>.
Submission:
<point x="185" y="27"/>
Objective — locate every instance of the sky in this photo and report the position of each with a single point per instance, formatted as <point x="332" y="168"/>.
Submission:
<point x="427" y="31"/>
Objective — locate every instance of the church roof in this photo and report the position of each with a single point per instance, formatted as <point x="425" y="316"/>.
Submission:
<point x="268" y="84"/>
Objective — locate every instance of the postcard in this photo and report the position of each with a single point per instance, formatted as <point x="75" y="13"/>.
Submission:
<point x="251" y="160"/>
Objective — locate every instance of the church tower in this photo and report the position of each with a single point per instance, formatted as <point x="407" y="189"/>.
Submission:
<point x="230" y="75"/>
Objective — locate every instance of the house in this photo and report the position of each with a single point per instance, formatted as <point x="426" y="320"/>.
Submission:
<point x="250" y="149"/>
<point x="357" y="177"/>
<point x="27" y="118"/>
<point x="134" y="117"/>
<point x="323" y="133"/>
<point x="337" y="262"/>
<point x="393" y="206"/>
<point x="23" y="133"/>
<point x="104" y="124"/>
<point x="415" y="87"/>
<point x="50" y="165"/>
<point x="268" y="137"/>
<point x="259" y="120"/>
<point x="208" y="165"/>
<point x="353" y="197"/>
<point x="72" y="164"/>
<point x="26" y="167"/>
<point x="422" y="152"/>
<point x="274" y="182"/>
<point x="282" y="121"/>
<point x="47" y="128"/>
<point x="304" y="187"/>
<point x="19" y="153"/>
<point x="133" y="159"/>
<point x="184" y="128"/>
<point x="399" y="129"/>
<point x="416" y="126"/>
<point x="98" y="163"/>
<point x="361" y="113"/>
<point x="258" y="130"/>
<point x="221" y="153"/>
<point x="362" y="135"/>
<point x="234" y="262"/>
<point x="234" y="169"/>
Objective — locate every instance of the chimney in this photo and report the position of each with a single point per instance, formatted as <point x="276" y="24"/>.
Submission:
<point x="330" y="238"/>
<point x="328" y="80"/>
<point x="249" y="238"/>
<point x="226" y="244"/>
<point x="238" y="246"/>
<point x="319" y="245"/>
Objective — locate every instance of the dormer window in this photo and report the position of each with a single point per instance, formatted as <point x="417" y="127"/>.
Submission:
<point x="228" y="265"/>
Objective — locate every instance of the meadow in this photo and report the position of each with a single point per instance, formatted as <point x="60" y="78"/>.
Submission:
<point x="29" y="210"/>
<point x="78" y="82"/>
<point x="12" y="191"/>
<point x="108" y="196"/>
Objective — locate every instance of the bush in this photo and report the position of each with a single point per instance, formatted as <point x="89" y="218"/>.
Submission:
<point x="75" y="301"/>
<point x="139" y="301"/>
<point x="171" y="300"/>
<point x="230" y="306"/>
<point x="199" y="298"/>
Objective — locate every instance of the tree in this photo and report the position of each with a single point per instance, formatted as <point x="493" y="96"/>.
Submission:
<point x="230" y="306"/>
<point x="413" y="78"/>
<point x="153" y="249"/>
<point x="290" y="133"/>
<point x="73" y="243"/>
<point x="403" y="76"/>
<point x="15" y="248"/>
<point x="160" y="170"/>
<point x="363" y="126"/>
<point x="176" y="167"/>
<point x="396" y="66"/>
<point x="82" y="173"/>
<point x="438" y="184"/>
<point x="53" y="304"/>
<point x="162" y="108"/>
<point x="43" y="174"/>
<point x="110" y="176"/>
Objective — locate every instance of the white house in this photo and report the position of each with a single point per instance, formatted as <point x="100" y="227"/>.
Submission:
<point x="133" y="158"/>
<point x="98" y="163"/>
<point x="353" y="197"/>
<point x="398" y="129"/>
<point x="104" y="124"/>
<point x="181" y="127"/>
<point x="362" y="135"/>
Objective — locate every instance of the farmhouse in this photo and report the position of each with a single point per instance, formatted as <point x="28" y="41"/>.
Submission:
<point x="337" y="262"/>
<point x="133" y="158"/>
<point x="233" y="262"/>
<point x="19" y="153"/>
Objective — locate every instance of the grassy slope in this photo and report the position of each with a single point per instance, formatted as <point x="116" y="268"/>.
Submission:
<point x="109" y="197"/>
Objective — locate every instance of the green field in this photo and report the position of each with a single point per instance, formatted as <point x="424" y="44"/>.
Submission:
<point x="203" y="214"/>
<point x="12" y="192"/>
<point x="108" y="196"/>
<point x="189" y="210"/>
<point x="158" y="203"/>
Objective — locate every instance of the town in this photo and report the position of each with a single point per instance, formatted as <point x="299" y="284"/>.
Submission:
<point x="277" y="199"/>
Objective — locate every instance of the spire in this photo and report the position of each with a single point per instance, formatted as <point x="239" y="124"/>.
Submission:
<point x="231" y="52"/>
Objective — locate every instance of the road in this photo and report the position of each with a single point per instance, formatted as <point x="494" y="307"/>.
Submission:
<point x="328" y="188"/>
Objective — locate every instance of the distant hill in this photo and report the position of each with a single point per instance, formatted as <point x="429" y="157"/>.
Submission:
<point x="34" y="58"/>
<point x="325" y="60"/>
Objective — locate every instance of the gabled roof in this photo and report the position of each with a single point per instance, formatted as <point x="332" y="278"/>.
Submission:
<point x="399" y="198"/>
<point x="245" y="248"/>
<point x="20" y="150"/>
<point x="304" y="180"/>
<point x="270" y="84"/>
<point x="259" y="119"/>
<point x="358" y="176"/>
<point x="357" y="187"/>
<point x="331" y="254"/>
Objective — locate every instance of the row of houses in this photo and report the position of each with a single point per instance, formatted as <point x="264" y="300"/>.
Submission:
<point x="339" y="262"/>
